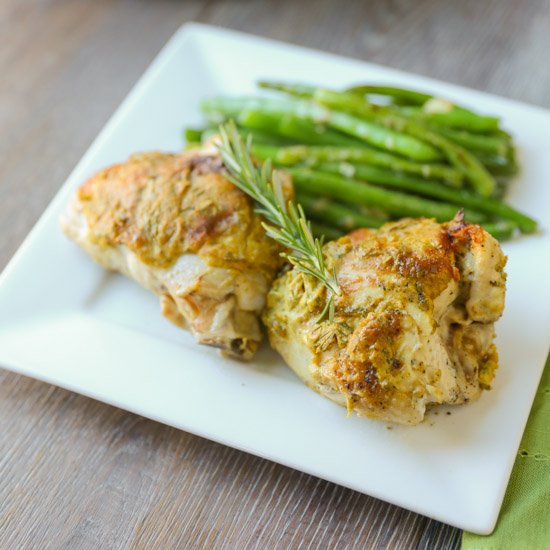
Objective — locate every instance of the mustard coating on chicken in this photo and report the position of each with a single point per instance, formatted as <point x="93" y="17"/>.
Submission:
<point x="413" y="325"/>
<point x="179" y="227"/>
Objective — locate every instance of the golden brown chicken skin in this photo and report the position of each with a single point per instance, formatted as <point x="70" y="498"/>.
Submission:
<point x="179" y="227"/>
<point x="413" y="325"/>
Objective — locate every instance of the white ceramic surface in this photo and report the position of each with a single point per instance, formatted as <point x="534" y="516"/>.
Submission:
<point x="66" y="321"/>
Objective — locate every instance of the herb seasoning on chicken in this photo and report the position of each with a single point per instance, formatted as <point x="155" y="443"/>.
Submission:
<point x="175" y="224"/>
<point x="413" y="325"/>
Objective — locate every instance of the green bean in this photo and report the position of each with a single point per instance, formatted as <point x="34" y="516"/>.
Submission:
<point x="264" y="137"/>
<point x="373" y="211"/>
<point x="220" y="108"/>
<point x="499" y="165"/>
<point x="318" y="134"/>
<point x="444" y="114"/>
<point x="366" y="155"/>
<point x="263" y="151"/>
<point x="382" y="136"/>
<point x="503" y="134"/>
<point x="193" y="134"/>
<point x="458" y="197"/>
<point x="259" y="120"/>
<point x="488" y="144"/>
<point x="335" y="214"/>
<point x="329" y="233"/>
<point x="272" y="122"/>
<point x="298" y="90"/>
<point x="503" y="183"/>
<point x="377" y="176"/>
<point x="452" y="116"/>
<point x="200" y="135"/>
<point x="399" y="95"/>
<point x="292" y="128"/>
<point x="501" y="230"/>
<point x="464" y="161"/>
<point x="460" y="118"/>
<point x="354" y="192"/>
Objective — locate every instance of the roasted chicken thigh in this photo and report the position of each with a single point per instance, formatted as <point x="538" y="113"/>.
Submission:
<point x="180" y="228"/>
<point x="413" y="326"/>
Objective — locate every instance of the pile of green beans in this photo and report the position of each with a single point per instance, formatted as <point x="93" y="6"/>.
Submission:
<point x="369" y="154"/>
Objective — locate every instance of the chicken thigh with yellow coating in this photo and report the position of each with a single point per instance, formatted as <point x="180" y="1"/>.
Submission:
<point x="413" y="325"/>
<point x="180" y="228"/>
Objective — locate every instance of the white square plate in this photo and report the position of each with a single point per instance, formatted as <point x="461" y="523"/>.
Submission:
<point x="65" y="321"/>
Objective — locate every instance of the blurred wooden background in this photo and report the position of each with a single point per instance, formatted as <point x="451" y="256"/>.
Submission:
<point x="75" y="473"/>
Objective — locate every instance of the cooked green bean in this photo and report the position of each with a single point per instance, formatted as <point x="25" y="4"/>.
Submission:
<point x="220" y="108"/>
<point x="309" y="132"/>
<point x="487" y="144"/>
<point x="460" y="119"/>
<point x="501" y="230"/>
<point x="298" y="90"/>
<point x="354" y="192"/>
<point x="382" y="136"/>
<point x="498" y="165"/>
<point x="328" y="232"/>
<point x="335" y="214"/>
<point x="292" y="128"/>
<point x="193" y="135"/>
<point x="399" y="95"/>
<point x="379" y="176"/>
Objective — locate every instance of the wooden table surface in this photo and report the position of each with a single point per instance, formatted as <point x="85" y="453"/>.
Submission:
<point x="76" y="473"/>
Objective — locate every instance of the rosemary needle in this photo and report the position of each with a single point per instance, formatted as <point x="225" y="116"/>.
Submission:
<point x="287" y="223"/>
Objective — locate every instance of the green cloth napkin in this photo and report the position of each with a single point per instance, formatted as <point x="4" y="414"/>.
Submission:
<point x="524" y="521"/>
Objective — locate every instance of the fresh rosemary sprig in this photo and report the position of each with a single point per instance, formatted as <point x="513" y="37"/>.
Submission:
<point x="287" y="222"/>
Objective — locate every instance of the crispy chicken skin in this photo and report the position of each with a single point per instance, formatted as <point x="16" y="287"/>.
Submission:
<point x="413" y="326"/>
<point x="175" y="224"/>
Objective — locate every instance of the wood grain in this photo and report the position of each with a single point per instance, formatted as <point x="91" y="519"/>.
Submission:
<point x="75" y="473"/>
